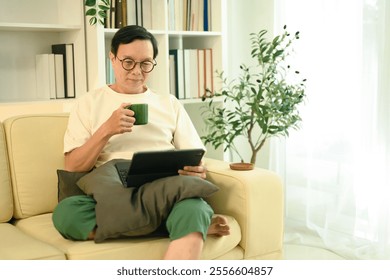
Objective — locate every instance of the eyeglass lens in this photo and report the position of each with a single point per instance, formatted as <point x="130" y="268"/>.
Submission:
<point x="129" y="64"/>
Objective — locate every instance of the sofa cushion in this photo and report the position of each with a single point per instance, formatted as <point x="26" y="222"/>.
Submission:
<point x="6" y="203"/>
<point x="35" y="149"/>
<point x="139" y="248"/>
<point x="134" y="212"/>
<point x="17" y="245"/>
<point x="67" y="183"/>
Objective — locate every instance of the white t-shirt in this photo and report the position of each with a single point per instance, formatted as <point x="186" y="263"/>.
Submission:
<point x="169" y="126"/>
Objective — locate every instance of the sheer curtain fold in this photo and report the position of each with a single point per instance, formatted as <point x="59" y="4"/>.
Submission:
<point x="336" y="167"/>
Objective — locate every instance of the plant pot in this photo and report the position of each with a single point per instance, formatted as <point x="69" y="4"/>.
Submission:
<point x="242" y="166"/>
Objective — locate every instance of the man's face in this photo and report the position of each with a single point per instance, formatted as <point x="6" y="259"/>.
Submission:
<point x="134" y="80"/>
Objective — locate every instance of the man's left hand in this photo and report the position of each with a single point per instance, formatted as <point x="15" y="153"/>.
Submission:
<point x="199" y="171"/>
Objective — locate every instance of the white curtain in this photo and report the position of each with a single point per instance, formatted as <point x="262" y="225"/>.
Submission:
<point x="336" y="167"/>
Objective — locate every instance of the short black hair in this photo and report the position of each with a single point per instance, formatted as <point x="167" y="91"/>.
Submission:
<point x="128" y="34"/>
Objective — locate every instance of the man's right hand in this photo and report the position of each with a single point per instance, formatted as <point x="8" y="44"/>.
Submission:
<point x="121" y="121"/>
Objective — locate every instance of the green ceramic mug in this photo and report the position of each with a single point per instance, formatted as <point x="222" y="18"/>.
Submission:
<point x="140" y="113"/>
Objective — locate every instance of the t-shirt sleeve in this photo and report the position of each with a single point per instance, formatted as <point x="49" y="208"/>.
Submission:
<point x="79" y="128"/>
<point x="185" y="136"/>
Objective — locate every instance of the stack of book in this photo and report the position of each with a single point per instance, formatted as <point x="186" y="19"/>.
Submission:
<point x="55" y="77"/>
<point x="189" y="15"/>
<point x="130" y="12"/>
<point x="191" y="72"/>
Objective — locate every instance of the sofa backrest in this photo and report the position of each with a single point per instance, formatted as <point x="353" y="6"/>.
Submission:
<point x="35" y="152"/>
<point x="6" y="204"/>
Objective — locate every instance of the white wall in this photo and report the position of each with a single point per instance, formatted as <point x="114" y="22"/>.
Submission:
<point x="245" y="17"/>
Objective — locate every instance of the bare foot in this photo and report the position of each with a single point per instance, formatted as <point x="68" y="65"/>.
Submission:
<point x="218" y="226"/>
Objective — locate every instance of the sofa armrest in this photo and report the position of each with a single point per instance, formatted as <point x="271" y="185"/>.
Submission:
<point x="255" y="199"/>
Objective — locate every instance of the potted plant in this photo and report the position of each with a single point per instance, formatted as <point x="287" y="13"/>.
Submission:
<point x="263" y="102"/>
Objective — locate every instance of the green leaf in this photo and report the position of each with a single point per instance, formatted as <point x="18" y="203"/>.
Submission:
<point x="92" y="20"/>
<point x="91" y="12"/>
<point x="278" y="53"/>
<point x="102" y="14"/>
<point x="103" y="7"/>
<point x="90" y="3"/>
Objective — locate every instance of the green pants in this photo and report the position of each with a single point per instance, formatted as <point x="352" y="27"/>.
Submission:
<point x="74" y="217"/>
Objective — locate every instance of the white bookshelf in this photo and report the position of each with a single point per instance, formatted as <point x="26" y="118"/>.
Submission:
<point x="98" y="47"/>
<point x="28" y="28"/>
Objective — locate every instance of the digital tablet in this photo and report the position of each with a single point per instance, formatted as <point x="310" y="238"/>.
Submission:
<point x="151" y="165"/>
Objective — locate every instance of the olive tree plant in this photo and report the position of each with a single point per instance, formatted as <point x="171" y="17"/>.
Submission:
<point x="263" y="102"/>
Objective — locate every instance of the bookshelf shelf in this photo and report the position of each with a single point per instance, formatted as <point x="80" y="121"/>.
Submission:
<point x="193" y="34"/>
<point x="4" y="26"/>
<point x="29" y="28"/>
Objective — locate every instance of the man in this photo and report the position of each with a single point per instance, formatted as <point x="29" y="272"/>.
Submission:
<point x="100" y="129"/>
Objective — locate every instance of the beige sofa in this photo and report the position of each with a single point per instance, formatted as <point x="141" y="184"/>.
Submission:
<point x="30" y="154"/>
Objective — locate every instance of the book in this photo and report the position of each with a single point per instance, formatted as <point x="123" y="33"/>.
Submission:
<point x="69" y="73"/>
<point x="124" y="13"/>
<point x="59" y="76"/>
<point x="45" y="76"/>
<point x="185" y="14"/>
<point x="209" y="70"/>
<point x="194" y="15"/>
<point x="179" y="72"/>
<point x="118" y="14"/>
<point x="200" y="15"/>
<point x="147" y="16"/>
<point x="191" y="73"/>
<point x="201" y="73"/>
<point x="112" y="14"/>
<point x="139" y="12"/>
<point x="206" y="5"/>
<point x="172" y="75"/>
<point x="110" y="77"/>
<point x="131" y="12"/>
<point x="171" y="14"/>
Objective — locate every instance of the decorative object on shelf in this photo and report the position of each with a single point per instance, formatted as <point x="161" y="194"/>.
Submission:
<point x="97" y="10"/>
<point x="261" y="103"/>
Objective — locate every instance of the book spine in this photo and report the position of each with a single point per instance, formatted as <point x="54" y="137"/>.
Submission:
<point x="175" y="71"/>
<point x="124" y="13"/>
<point x="191" y="73"/>
<point x="59" y="75"/>
<point x="52" y="76"/>
<point x="206" y="15"/>
<point x="66" y="50"/>
<point x="71" y="92"/>
<point x="61" y="49"/>
<point x="118" y="14"/>
<point x="42" y="73"/>
<point x="201" y="74"/>
<point x="180" y="74"/>
<point x="147" y="14"/>
<point x="131" y="12"/>
<point x="172" y="75"/>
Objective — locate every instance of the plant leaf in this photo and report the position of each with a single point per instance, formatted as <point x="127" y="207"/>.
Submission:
<point x="91" y="12"/>
<point x="90" y="3"/>
<point x="92" y="20"/>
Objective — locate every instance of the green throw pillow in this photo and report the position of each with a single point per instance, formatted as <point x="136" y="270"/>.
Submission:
<point x="124" y="211"/>
<point x="67" y="183"/>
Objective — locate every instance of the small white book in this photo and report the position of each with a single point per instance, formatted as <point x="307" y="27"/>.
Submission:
<point x="59" y="75"/>
<point x="70" y="75"/>
<point x="45" y="76"/>
<point x="191" y="73"/>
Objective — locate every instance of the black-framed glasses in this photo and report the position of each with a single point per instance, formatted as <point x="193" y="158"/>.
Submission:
<point x="146" y="66"/>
